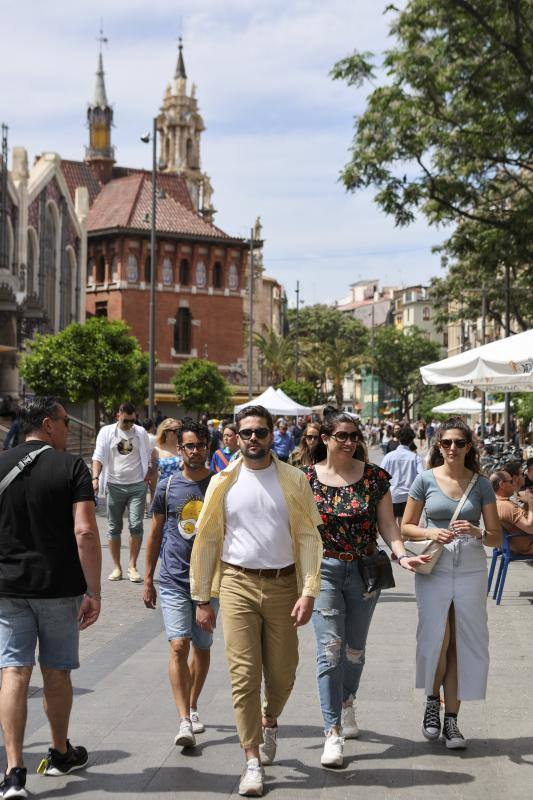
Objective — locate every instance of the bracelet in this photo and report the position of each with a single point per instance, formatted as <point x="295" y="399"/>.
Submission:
<point x="203" y="603"/>
<point x="404" y="555"/>
<point x="95" y="478"/>
<point x="93" y="596"/>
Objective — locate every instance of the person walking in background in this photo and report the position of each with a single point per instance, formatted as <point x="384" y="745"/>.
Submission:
<point x="403" y="465"/>
<point x="165" y="457"/>
<point x="258" y="545"/>
<point x="283" y="443"/>
<point x="394" y="440"/>
<point x="50" y="564"/>
<point x="354" y="501"/>
<point x="149" y="427"/>
<point x="122" y="467"/>
<point x="230" y="446"/>
<point x="177" y="504"/>
<point x="302" y="456"/>
<point x="452" y="636"/>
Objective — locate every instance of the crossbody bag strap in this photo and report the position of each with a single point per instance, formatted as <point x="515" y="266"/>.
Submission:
<point x="21" y="466"/>
<point x="167" y="490"/>
<point x="463" y="499"/>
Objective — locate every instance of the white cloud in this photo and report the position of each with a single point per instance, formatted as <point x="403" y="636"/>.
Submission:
<point x="278" y="128"/>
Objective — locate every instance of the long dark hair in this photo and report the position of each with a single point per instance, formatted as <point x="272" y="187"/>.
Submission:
<point x="306" y="452"/>
<point x="329" y="423"/>
<point x="454" y="423"/>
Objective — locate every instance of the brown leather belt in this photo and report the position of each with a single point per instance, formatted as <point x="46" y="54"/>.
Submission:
<point x="348" y="555"/>
<point x="264" y="573"/>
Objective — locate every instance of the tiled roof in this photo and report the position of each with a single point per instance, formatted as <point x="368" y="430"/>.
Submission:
<point x="127" y="203"/>
<point x="79" y="173"/>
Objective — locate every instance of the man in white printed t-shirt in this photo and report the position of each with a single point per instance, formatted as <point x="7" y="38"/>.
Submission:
<point x="122" y="467"/>
<point x="258" y="547"/>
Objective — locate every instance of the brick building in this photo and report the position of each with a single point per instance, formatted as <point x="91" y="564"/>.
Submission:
<point x="201" y="270"/>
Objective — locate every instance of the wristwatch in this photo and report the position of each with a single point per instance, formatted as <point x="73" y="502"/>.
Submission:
<point x="203" y="603"/>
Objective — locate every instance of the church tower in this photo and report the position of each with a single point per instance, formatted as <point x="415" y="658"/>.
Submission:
<point x="100" y="152"/>
<point x="180" y="126"/>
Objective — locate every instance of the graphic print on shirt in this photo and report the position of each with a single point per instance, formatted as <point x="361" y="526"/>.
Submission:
<point x="187" y="516"/>
<point x="125" y="447"/>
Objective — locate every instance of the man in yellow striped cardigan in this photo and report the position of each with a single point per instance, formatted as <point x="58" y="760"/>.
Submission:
<point x="258" y="548"/>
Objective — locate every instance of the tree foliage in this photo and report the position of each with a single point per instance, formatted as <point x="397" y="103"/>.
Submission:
<point x="523" y="404"/>
<point x="277" y="353"/>
<point x="98" y="360"/>
<point x="301" y="392"/>
<point x="322" y="323"/>
<point x="200" y="387"/>
<point x="397" y="356"/>
<point x="431" y="396"/>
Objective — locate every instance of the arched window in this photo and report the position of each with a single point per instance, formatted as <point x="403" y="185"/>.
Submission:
<point x="49" y="265"/>
<point x="32" y="261"/>
<point x="233" y="277"/>
<point x="100" y="269"/>
<point x="148" y="269"/>
<point x="201" y="275"/>
<point x="182" y="331"/>
<point x="132" y="271"/>
<point x="217" y="275"/>
<point x="184" y="272"/>
<point x="168" y="272"/>
<point x="426" y="314"/>
<point x="67" y="283"/>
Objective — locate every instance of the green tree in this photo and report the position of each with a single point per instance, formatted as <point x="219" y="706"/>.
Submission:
<point x="431" y="396"/>
<point x="448" y="130"/>
<point x="277" y="353"/>
<point x="98" y="360"/>
<point x="338" y="360"/>
<point x="523" y="404"/>
<point x="320" y="323"/>
<point x="397" y="356"/>
<point x="200" y="387"/>
<point x="301" y="392"/>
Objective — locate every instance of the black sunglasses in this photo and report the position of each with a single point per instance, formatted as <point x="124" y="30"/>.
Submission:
<point x="66" y="420"/>
<point x="312" y="437"/>
<point x="447" y="443"/>
<point x="343" y="436"/>
<point x="247" y="433"/>
<point x="128" y="421"/>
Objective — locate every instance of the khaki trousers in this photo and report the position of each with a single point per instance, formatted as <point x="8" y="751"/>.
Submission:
<point x="260" y="639"/>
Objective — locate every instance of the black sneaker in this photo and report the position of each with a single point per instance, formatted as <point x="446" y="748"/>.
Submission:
<point x="431" y="721"/>
<point x="14" y="783"/>
<point x="451" y="734"/>
<point x="57" y="763"/>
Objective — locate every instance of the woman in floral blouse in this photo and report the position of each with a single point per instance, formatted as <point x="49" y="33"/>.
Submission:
<point x="354" y="501"/>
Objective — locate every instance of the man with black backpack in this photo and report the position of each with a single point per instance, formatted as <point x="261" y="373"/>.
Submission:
<point x="50" y="565"/>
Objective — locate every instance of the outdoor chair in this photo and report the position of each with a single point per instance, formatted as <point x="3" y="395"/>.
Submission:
<point x="507" y="556"/>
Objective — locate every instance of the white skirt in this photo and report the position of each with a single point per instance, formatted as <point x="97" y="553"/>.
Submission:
<point x="459" y="577"/>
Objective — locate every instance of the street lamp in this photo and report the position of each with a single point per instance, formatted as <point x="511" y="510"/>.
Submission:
<point x="151" y="323"/>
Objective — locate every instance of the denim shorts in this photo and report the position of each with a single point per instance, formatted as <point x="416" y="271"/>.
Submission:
<point x="179" y="617"/>
<point x="50" y="622"/>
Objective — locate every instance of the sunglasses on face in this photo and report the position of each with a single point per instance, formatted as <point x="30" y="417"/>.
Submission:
<point x="190" y="447"/>
<point x="172" y="430"/>
<point x="447" y="443"/>
<point x="128" y="421"/>
<point x="343" y="436"/>
<point x="247" y="433"/>
<point x="312" y="437"/>
<point x="66" y="420"/>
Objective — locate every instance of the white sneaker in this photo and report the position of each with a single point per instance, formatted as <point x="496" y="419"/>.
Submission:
<point x="116" y="575"/>
<point x="251" y="783"/>
<point x="134" y="575"/>
<point x="197" y="724"/>
<point x="185" y="736"/>
<point x="267" y="750"/>
<point x="350" y="729"/>
<point x="333" y="751"/>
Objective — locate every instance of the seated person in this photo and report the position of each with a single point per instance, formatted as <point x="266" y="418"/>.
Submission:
<point x="528" y="474"/>
<point x="514" y="518"/>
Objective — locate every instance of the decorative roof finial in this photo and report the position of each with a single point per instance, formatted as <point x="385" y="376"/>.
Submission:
<point x="180" y="67"/>
<point x="100" y="96"/>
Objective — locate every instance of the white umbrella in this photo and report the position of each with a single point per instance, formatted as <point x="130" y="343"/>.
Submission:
<point x="505" y="365"/>
<point x="462" y="405"/>
<point x="496" y="408"/>
<point x="270" y="400"/>
<point x="298" y="409"/>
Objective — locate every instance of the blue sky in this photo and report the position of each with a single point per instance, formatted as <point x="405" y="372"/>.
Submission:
<point x="278" y="128"/>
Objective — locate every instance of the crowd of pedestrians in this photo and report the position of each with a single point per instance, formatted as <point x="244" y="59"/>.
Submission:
<point x="276" y="523"/>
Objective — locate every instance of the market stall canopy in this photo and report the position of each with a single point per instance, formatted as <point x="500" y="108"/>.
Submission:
<point x="275" y="403"/>
<point x="462" y="405"/>
<point x="496" y="408"/>
<point x="505" y="365"/>
<point x="299" y="409"/>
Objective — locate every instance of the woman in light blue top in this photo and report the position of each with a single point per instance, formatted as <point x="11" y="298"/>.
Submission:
<point x="165" y="456"/>
<point x="452" y="635"/>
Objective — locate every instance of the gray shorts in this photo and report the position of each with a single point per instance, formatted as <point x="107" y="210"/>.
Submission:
<point x="51" y="622"/>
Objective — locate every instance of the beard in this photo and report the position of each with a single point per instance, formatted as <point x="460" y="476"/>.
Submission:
<point x="256" y="455"/>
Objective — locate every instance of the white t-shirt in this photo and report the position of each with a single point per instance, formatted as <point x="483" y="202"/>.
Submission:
<point x="257" y="521"/>
<point x="125" y="465"/>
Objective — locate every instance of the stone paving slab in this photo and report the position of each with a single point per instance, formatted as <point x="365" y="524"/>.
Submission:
<point x="124" y="714"/>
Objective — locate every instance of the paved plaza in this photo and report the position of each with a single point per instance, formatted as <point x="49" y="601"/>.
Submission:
<point x="124" y="714"/>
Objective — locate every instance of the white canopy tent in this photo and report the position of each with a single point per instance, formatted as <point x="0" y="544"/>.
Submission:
<point x="505" y="365"/>
<point x="275" y="403"/>
<point x="462" y="405"/>
<point x="298" y="409"/>
<point x="495" y="408"/>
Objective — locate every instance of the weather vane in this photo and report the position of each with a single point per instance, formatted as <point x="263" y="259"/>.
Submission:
<point x="101" y="39"/>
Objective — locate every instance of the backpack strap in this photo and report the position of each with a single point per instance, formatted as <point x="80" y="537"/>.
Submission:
<point x="21" y="466"/>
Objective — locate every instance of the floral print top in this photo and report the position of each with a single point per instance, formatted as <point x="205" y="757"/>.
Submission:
<point x="349" y="513"/>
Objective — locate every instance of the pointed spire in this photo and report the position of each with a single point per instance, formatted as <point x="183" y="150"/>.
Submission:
<point x="100" y="96"/>
<point x="180" y="67"/>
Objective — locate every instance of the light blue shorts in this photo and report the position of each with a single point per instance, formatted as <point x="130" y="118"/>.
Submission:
<point x="51" y="622"/>
<point x="179" y="617"/>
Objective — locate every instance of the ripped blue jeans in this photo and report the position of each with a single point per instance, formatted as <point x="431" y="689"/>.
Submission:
<point x="341" y="619"/>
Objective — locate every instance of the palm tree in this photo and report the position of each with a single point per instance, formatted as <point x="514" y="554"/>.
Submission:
<point x="338" y="360"/>
<point x="278" y="355"/>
